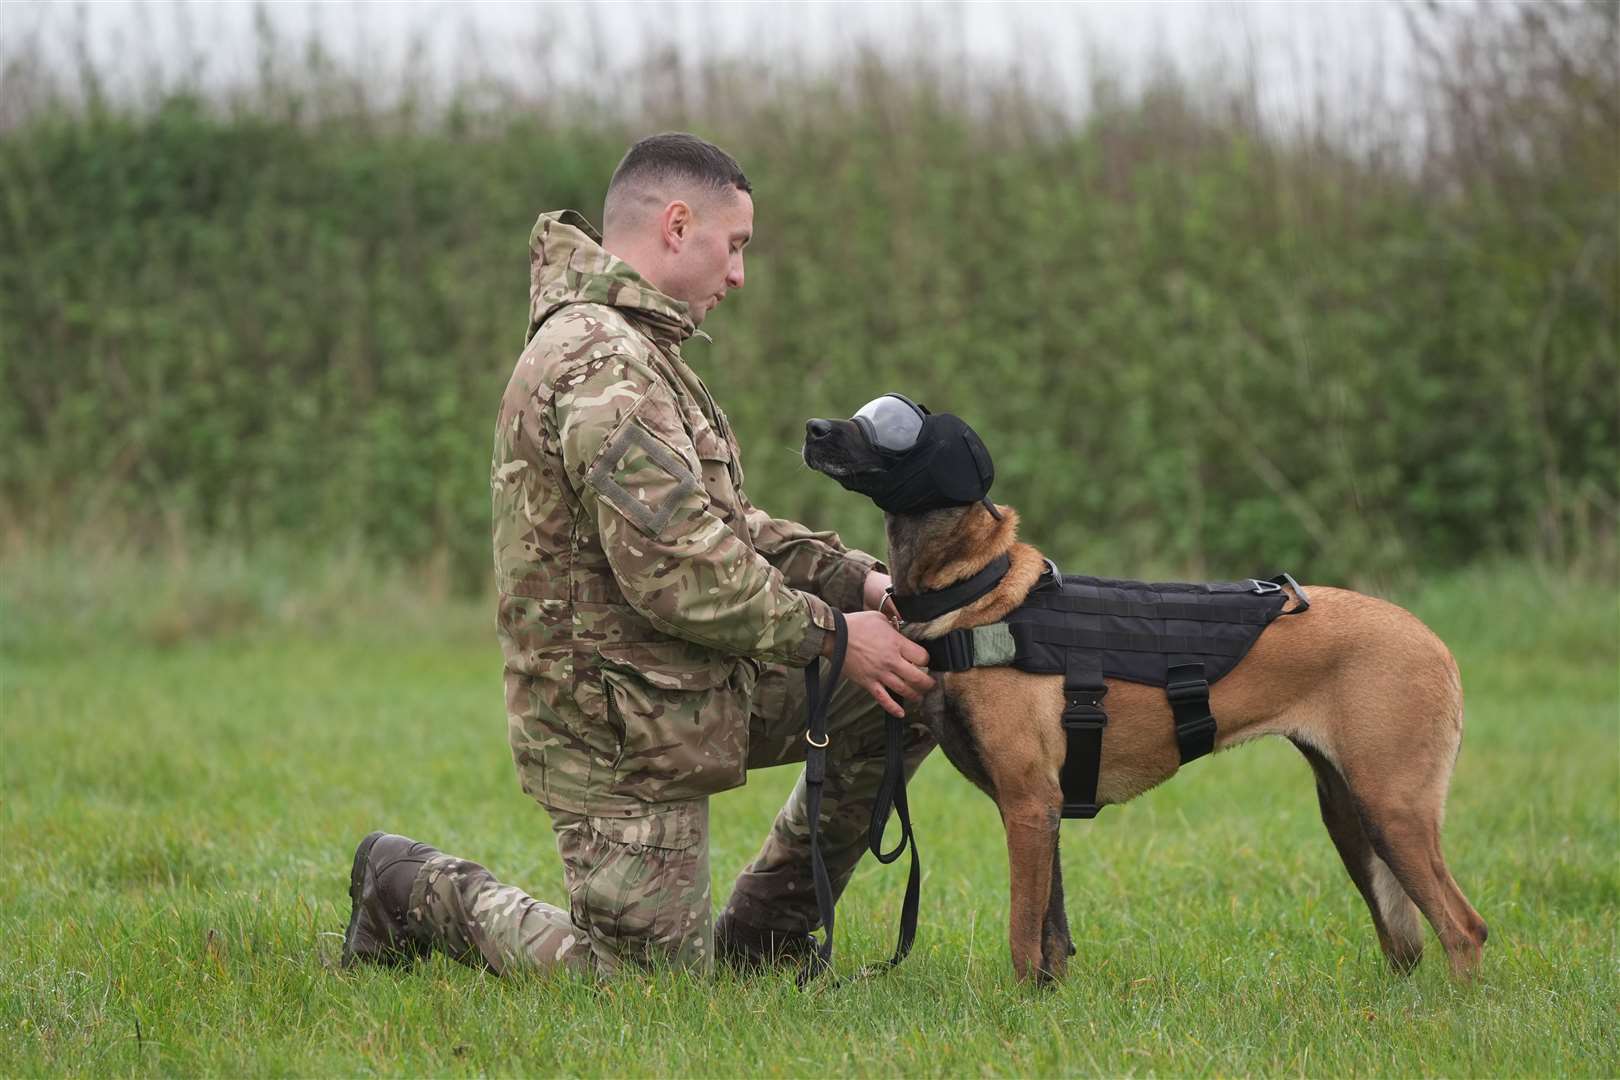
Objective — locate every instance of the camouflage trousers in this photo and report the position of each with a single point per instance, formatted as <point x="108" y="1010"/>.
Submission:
<point x="638" y="887"/>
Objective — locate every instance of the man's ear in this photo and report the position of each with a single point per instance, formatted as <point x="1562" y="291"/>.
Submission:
<point x="677" y="224"/>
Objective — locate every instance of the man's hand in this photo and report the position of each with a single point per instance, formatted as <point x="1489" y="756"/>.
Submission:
<point x="883" y="661"/>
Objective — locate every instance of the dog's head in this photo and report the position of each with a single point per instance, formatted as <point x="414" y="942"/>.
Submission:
<point x="926" y="471"/>
<point x="905" y="458"/>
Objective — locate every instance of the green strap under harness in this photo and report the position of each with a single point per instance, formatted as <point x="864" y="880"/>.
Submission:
<point x="991" y="645"/>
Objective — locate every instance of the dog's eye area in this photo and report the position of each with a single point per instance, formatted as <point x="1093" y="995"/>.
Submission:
<point x="891" y="422"/>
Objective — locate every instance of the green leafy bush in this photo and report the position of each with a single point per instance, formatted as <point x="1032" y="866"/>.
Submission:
<point x="1193" y="343"/>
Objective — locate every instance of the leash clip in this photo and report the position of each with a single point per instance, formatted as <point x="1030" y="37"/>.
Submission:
<point x="888" y="607"/>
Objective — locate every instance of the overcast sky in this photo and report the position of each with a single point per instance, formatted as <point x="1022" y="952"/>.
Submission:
<point x="1300" y="51"/>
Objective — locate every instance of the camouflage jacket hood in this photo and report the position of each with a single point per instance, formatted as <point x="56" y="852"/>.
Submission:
<point x="568" y="265"/>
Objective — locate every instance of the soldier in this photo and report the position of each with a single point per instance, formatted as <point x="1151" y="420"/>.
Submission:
<point x="653" y="620"/>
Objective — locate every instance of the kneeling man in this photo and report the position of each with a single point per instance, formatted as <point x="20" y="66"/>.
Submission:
<point x="652" y="619"/>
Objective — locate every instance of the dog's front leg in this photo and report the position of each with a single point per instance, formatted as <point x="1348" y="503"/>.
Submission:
<point x="1056" y="945"/>
<point x="1032" y="828"/>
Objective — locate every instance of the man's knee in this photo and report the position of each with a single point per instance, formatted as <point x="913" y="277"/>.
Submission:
<point x="639" y="886"/>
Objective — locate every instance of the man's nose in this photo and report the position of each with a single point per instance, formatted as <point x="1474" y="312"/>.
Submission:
<point x="817" y="429"/>
<point x="735" y="277"/>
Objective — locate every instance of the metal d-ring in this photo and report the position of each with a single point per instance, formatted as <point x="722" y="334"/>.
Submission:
<point x="822" y="745"/>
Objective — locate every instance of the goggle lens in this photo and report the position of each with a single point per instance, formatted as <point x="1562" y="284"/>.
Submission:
<point x="892" y="422"/>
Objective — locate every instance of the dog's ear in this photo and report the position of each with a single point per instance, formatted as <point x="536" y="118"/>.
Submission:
<point x="981" y="460"/>
<point x="958" y="484"/>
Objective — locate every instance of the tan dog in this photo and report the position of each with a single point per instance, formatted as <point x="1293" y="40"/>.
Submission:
<point x="1367" y="693"/>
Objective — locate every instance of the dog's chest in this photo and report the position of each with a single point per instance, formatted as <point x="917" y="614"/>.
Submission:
<point x="949" y="721"/>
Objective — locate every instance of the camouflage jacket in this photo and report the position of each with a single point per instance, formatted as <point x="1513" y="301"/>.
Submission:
<point x="639" y="588"/>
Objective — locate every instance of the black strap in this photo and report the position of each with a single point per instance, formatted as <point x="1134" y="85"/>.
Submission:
<point x="1083" y="722"/>
<point x="923" y="606"/>
<point x="892" y="793"/>
<point x="1188" y="691"/>
<point x="890" y="797"/>
<point x="817" y="695"/>
<point x="951" y="651"/>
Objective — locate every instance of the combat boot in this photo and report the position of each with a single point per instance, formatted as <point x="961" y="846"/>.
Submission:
<point x="385" y="867"/>
<point x="749" y="948"/>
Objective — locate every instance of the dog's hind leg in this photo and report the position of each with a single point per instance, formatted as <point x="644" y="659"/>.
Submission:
<point x="1395" y="917"/>
<point x="1408" y="840"/>
<point x="1056" y="945"/>
<point x="1397" y="766"/>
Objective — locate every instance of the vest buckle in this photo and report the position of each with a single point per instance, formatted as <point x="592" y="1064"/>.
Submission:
<point x="1083" y="711"/>
<point x="1187" y="691"/>
<point x="1195" y="732"/>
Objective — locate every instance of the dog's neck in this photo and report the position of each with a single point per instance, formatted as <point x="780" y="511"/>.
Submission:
<point x="935" y="550"/>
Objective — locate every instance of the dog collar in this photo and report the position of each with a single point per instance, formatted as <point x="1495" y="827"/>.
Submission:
<point x="929" y="605"/>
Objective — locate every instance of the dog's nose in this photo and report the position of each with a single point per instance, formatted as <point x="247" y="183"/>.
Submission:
<point x="817" y="429"/>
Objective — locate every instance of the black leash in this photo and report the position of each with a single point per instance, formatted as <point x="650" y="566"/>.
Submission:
<point x="892" y="793"/>
<point x="890" y="797"/>
<point x="817" y="694"/>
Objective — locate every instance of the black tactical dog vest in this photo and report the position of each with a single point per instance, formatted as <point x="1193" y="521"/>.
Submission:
<point x="1183" y="637"/>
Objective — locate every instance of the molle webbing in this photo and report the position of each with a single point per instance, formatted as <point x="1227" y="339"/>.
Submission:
<point x="1142" y="629"/>
<point x="1183" y="637"/>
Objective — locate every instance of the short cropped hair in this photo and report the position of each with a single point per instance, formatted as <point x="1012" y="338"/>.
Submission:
<point x="673" y="157"/>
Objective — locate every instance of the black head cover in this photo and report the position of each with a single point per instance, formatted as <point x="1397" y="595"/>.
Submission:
<point x="945" y="465"/>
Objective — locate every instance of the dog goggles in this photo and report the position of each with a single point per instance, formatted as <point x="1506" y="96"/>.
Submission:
<point x="891" y="422"/>
<point x="925" y="460"/>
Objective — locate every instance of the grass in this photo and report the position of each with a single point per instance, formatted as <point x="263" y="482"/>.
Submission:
<point x="191" y="751"/>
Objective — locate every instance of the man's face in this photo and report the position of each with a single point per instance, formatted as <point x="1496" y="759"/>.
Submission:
<point x="709" y="263"/>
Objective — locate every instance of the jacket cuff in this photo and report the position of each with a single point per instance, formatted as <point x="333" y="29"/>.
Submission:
<point x="815" y="634"/>
<point x="845" y="582"/>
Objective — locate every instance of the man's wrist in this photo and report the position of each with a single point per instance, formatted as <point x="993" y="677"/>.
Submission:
<point x="873" y="590"/>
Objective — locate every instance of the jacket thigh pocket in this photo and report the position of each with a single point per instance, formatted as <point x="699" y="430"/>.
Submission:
<point x="683" y="714"/>
<point x="644" y="897"/>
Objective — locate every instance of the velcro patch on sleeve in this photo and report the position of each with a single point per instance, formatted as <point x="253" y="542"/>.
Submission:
<point x="644" y="480"/>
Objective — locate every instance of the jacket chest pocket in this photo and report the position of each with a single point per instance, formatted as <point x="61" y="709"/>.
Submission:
<point x="717" y="462"/>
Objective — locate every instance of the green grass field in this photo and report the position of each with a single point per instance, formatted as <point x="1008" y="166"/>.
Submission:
<point x="191" y="752"/>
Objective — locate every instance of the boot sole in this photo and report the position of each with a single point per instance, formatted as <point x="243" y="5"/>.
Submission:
<point x="357" y="880"/>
